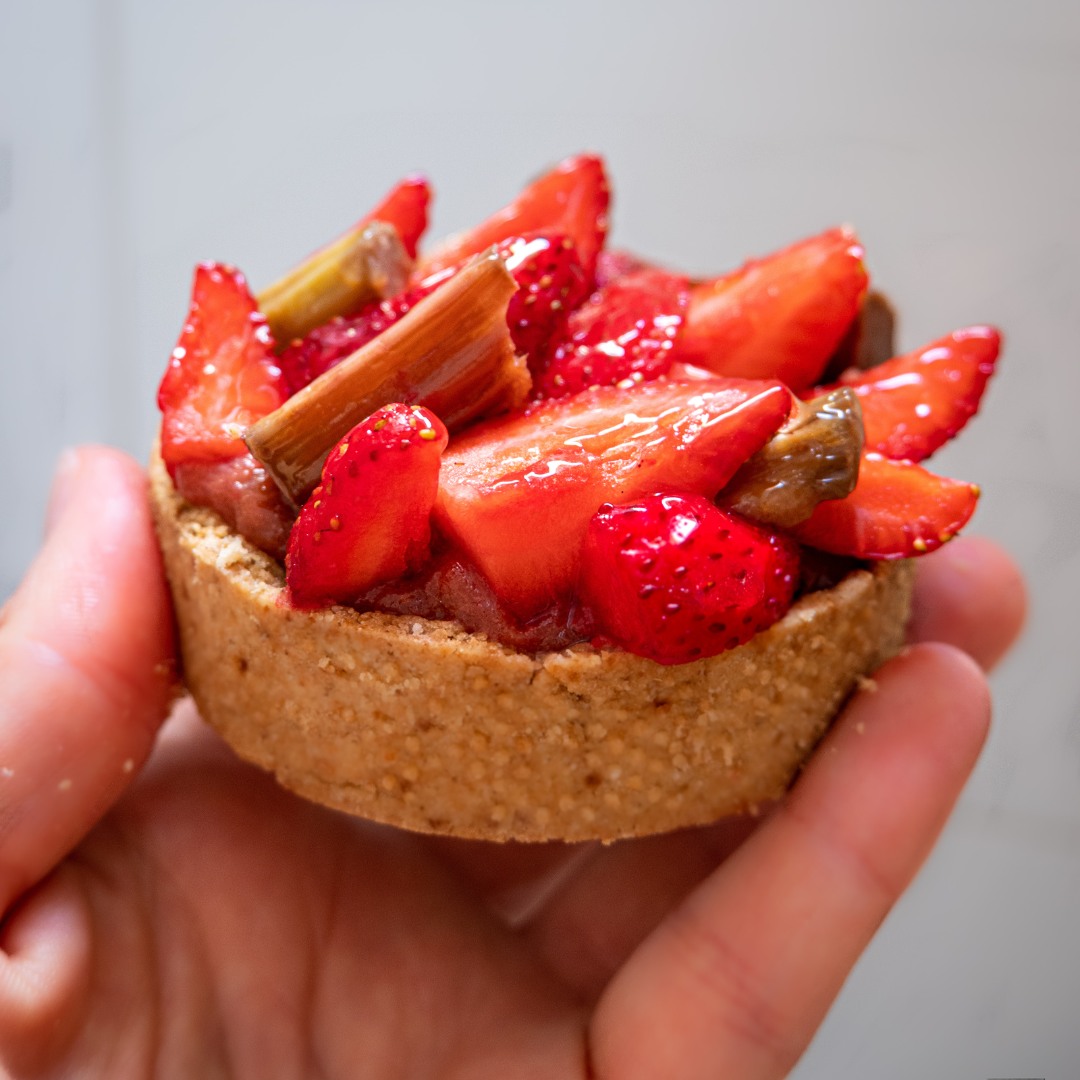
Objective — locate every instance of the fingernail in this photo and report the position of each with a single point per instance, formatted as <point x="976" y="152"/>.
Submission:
<point x="65" y="484"/>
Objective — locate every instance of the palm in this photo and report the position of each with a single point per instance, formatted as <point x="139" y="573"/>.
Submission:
<point x="212" y="924"/>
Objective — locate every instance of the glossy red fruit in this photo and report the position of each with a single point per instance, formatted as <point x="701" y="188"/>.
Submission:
<point x="551" y="283"/>
<point x="369" y="520"/>
<point x="516" y="494"/>
<point x="914" y="404"/>
<point x="626" y="330"/>
<point x="674" y="578"/>
<point x="779" y="317"/>
<point x="571" y="199"/>
<point x="222" y="375"/>
<point x="898" y="509"/>
<point x="406" y="208"/>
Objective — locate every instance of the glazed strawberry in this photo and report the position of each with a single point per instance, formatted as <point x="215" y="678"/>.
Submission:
<point x="780" y="317"/>
<point x="369" y="519"/>
<point x="571" y="199"/>
<point x="913" y="404"/>
<point x="627" y="330"/>
<point x="897" y="510"/>
<point x="222" y="375"/>
<point x="550" y="283"/>
<point x="405" y="207"/>
<point x="516" y="494"/>
<point x="674" y="578"/>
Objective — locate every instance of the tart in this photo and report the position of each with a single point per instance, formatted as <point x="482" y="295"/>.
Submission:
<point x="528" y="540"/>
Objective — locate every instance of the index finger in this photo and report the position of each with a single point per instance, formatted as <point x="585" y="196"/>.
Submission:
<point x="86" y="652"/>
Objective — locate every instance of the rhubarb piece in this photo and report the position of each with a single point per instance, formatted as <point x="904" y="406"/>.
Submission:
<point x="221" y="376"/>
<point x="571" y="199"/>
<point x="627" y="330"/>
<point x="368" y="263"/>
<point x="913" y="404"/>
<point x="550" y="283"/>
<point x="674" y="578"/>
<point x="779" y="317"/>
<point x="451" y="353"/>
<point x="814" y="457"/>
<point x="516" y="494"/>
<point x="897" y="510"/>
<point x="369" y="520"/>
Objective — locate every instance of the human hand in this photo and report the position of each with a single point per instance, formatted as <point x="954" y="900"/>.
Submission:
<point x="171" y="912"/>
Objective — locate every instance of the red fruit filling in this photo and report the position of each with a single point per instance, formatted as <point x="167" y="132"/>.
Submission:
<point x="589" y="514"/>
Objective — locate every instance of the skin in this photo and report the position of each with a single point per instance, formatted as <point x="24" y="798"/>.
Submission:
<point x="170" y="912"/>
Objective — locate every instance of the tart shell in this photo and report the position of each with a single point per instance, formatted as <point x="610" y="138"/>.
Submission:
<point x="425" y="726"/>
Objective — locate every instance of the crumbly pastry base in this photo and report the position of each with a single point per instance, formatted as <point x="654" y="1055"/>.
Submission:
<point x="423" y="725"/>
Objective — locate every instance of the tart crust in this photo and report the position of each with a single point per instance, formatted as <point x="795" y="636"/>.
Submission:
<point x="425" y="726"/>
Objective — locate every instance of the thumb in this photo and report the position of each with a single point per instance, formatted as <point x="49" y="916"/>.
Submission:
<point x="86" y="666"/>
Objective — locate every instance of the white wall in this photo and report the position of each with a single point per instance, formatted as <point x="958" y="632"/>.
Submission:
<point x="138" y="138"/>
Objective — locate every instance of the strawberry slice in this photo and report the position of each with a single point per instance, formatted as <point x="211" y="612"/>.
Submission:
<point x="898" y="509"/>
<point x="406" y="208"/>
<point x="550" y="281"/>
<point x="516" y="494"/>
<point x="627" y="330"/>
<point x="370" y="518"/>
<point x="222" y="375"/>
<point x="780" y="317"/>
<point x="674" y="578"/>
<point x="914" y="404"/>
<point x="571" y="199"/>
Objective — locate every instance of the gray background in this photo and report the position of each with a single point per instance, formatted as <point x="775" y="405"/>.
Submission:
<point x="136" y="139"/>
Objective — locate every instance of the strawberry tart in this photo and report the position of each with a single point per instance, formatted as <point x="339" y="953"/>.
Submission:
<point x="521" y="537"/>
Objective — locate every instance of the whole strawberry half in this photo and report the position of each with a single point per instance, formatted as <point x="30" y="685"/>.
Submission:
<point x="897" y="510"/>
<point x="674" y="578"/>
<point x="779" y="317"/>
<point x="222" y="375"/>
<point x="545" y="268"/>
<point x="369" y="520"/>
<point x="913" y="404"/>
<point x="516" y="494"/>
<point x="571" y="199"/>
<point x="627" y="330"/>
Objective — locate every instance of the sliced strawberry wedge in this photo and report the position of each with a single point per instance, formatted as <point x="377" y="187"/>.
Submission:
<point x="516" y="494"/>
<point x="627" y="330"/>
<point x="614" y="264"/>
<point x="370" y="518"/>
<point x="572" y="199"/>
<point x="674" y="578"/>
<point x="779" y="317"/>
<point x="222" y="375"/>
<point x="913" y="404"/>
<point x="406" y="208"/>
<point x="898" y="509"/>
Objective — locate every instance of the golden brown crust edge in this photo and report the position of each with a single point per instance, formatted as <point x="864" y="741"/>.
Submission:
<point x="422" y="725"/>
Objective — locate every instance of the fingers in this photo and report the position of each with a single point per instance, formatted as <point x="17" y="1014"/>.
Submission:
<point x="85" y="666"/>
<point x="736" y="980"/>
<point x="970" y="594"/>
